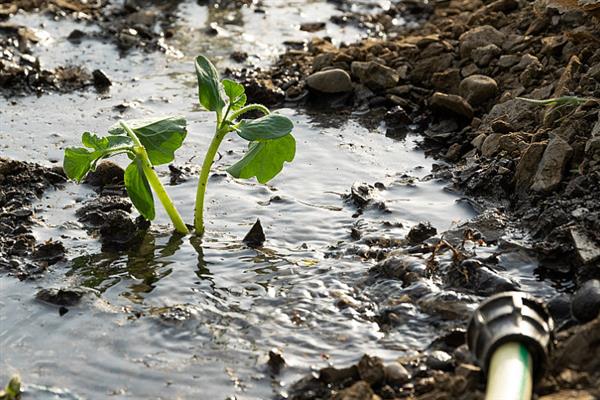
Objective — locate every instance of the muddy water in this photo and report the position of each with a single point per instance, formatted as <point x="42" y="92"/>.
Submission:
<point x="180" y="318"/>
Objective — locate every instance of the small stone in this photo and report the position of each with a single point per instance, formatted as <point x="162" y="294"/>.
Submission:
<point x="420" y="232"/>
<point x="478" y="141"/>
<point x="330" y="81"/>
<point x="477" y="89"/>
<point x="453" y="103"/>
<point x="312" y="26"/>
<point x="371" y="370"/>
<point x="526" y="168"/>
<point x="478" y="37"/>
<point x="559" y="308"/>
<point x="396" y="374"/>
<point x="67" y="297"/>
<point x="550" y="170"/>
<point x="501" y="126"/>
<point x="482" y="56"/>
<point x="439" y="360"/>
<point x="361" y="390"/>
<point x="101" y="80"/>
<point x="507" y="61"/>
<point x="276" y="361"/>
<point x="256" y="236"/>
<point x="106" y="173"/>
<point x="585" y="305"/>
<point x="587" y="249"/>
<point x="375" y="75"/>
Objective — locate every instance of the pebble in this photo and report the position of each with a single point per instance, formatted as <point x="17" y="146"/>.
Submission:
<point x="330" y="81"/>
<point x="477" y="89"/>
<point x="586" y="301"/>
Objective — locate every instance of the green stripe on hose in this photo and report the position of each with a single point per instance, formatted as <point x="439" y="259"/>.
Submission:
<point x="525" y="360"/>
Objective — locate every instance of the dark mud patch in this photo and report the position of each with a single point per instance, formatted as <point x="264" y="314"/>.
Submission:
<point x="21" y="184"/>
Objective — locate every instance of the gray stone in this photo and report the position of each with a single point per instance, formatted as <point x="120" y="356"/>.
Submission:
<point x="491" y="145"/>
<point x="587" y="249"/>
<point x="479" y="37"/>
<point x="586" y="301"/>
<point x="550" y="170"/>
<point x="528" y="164"/>
<point x="508" y="60"/>
<point x="450" y="102"/>
<point x="478" y="141"/>
<point x="477" y="89"/>
<point x="485" y="54"/>
<point x="596" y="129"/>
<point x="375" y="75"/>
<point x="396" y="374"/>
<point x="330" y="81"/>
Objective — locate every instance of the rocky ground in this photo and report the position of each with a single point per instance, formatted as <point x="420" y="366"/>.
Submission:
<point x="474" y="77"/>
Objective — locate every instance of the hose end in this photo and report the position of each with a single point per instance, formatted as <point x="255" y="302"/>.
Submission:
<point x="511" y="317"/>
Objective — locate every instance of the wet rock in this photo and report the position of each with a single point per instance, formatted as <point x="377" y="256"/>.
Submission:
<point x="330" y="81"/>
<point x="106" y="173"/>
<point x="473" y="275"/>
<point x="439" y="360"/>
<point x="67" y="297"/>
<point x="276" y="361"/>
<point x="448" y="304"/>
<point x="101" y="81"/>
<point x="256" y="236"/>
<point x="549" y="173"/>
<point x="396" y="374"/>
<point x="374" y="75"/>
<point x="587" y="249"/>
<point x="585" y="305"/>
<point x="312" y="26"/>
<point x="338" y="376"/>
<point x="559" y="308"/>
<point x="361" y="194"/>
<point x="420" y="232"/>
<point x="580" y="350"/>
<point x="49" y="252"/>
<point x="400" y="268"/>
<point x="93" y="213"/>
<point x="478" y="37"/>
<point x="477" y="89"/>
<point x="359" y="391"/>
<point x="371" y="370"/>
<point x="453" y="103"/>
<point x="527" y="166"/>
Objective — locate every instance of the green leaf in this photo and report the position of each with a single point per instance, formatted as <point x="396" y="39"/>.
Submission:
<point x="138" y="189"/>
<point x="210" y="90"/>
<point x="265" y="159"/>
<point x="103" y="144"/>
<point x="79" y="161"/>
<point x="270" y="126"/>
<point x="160" y="137"/>
<point x="236" y="94"/>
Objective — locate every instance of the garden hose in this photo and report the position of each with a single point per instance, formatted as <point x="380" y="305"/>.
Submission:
<point x="510" y="335"/>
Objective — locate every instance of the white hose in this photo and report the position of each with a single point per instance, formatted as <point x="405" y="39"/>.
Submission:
<point x="509" y="376"/>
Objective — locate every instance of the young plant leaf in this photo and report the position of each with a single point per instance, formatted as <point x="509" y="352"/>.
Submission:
<point x="160" y="137"/>
<point x="139" y="190"/>
<point x="236" y="94"/>
<point x="265" y="159"/>
<point x="79" y="161"/>
<point x="270" y="126"/>
<point x="210" y="90"/>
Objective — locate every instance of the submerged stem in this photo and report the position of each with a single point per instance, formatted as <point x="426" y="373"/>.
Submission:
<point x="203" y="180"/>
<point x="155" y="183"/>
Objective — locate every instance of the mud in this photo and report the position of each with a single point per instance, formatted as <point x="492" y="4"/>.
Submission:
<point x="21" y="184"/>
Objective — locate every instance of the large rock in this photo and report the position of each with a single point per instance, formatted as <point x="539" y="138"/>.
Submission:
<point x="550" y="170"/>
<point x="453" y="103"/>
<point x="477" y="89"/>
<point x="375" y="75"/>
<point x="479" y="37"/>
<point x="330" y="81"/>
<point x="528" y="163"/>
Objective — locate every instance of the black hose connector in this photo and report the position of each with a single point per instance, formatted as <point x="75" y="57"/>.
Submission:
<point x="511" y="317"/>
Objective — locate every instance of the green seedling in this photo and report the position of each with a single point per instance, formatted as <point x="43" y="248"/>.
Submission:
<point x="270" y="142"/>
<point x="12" y="391"/>
<point x="147" y="143"/>
<point x="557" y="101"/>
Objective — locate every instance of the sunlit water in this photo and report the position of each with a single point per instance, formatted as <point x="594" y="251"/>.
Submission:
<point x="182" y="318"/>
